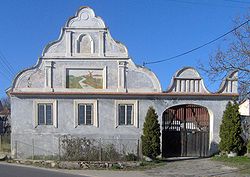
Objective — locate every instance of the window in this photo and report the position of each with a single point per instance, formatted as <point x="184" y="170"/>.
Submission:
<point x="125" y="114"/>
<point x="85" y="112"/>
<point x="45" y="112"/>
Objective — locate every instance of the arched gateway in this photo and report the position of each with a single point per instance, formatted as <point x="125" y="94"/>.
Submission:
<point x="185" y="131"/>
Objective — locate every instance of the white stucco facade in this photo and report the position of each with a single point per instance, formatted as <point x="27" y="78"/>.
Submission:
<point x="244" y="108"/>
<point x="85" y="46"/>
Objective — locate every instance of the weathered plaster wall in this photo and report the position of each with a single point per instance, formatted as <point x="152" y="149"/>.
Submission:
<point x="24" y="129"/>
<point x="86" y="43"/>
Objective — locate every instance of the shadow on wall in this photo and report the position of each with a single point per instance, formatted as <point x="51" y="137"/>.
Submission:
<point x="214" y="148"/>
<point x="245" y="124"/>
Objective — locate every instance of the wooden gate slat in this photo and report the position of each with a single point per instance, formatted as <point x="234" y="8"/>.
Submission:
<point x="185" y="131"/>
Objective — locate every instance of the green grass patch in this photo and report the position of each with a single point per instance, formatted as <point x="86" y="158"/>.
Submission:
<point x="143" y="166"/>
<point x="241" y="162"/>
<point x="149" y="165"/>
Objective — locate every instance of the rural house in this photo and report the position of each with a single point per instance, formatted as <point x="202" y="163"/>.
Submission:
<point x="85" y="84"/>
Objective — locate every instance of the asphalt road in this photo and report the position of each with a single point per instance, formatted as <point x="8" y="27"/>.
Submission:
<point x="9" y="170"/>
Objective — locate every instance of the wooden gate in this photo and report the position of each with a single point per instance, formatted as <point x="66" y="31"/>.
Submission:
<point x="185" y="131"/>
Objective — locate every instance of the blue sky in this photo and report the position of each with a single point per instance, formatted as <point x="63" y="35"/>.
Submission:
<point x="151" y="30"/>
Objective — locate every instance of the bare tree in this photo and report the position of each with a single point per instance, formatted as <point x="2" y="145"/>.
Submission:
<point x="235" y="56"/>
<point x="5" y="116"/>
<point x="5" y="102"/>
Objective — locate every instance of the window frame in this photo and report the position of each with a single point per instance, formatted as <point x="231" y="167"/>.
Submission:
<point x="94" y="117"/>
<point x="45" y="113"/>
<point x="134" y="120"/>
<point x="85" y="113"/>
<point x="54" y="112"/>
<point x="126" y="114"/>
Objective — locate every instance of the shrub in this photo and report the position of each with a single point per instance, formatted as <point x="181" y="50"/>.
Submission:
<point x="82" y="149"/>
<point x="151" y="135"/>
<point x="248" y="147"/>
<point x="131" y="157"/>
<point x="110" y="153"/>
<point x="75" y="149"/>
<point x="230" y="130"/>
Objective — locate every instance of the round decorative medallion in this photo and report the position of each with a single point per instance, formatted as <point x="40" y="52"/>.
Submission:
<point x="85" y="16"/>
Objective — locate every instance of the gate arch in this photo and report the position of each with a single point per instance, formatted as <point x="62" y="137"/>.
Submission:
<point x="185" y="131"/>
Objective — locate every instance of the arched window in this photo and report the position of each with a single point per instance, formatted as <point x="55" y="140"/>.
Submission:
<point x="85" y="44"/>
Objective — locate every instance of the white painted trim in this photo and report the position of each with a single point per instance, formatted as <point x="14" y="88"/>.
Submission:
<point x="45" y="101"/>
<point x="48" y="74"/>
<point x="104" y="78"/>
<point x="101" y="44"/>
<point x="86" y="29"/>
<point x="95" y="112"/>
<point x="122" y="76"/>
<point x="46" y="90"/>
<point x="68" y="35"/>
<point x="32" y="90"/>
<point x="82" y="58"/>
<point x="135" y="111"/>
<point x="211" y="127"/>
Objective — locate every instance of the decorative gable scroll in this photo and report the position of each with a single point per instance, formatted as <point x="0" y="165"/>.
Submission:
<point x="230" y="83"/>
<point x="187" y="80"/>
<point x="85" y="36"/>
<point x="85" y="18"/>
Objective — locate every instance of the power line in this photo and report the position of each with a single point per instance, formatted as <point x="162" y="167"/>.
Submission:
<point x="7" y="64"/>
<point x="4" y="70"/>
<point x="8" y="77"/>
<point x="196" y="48"/>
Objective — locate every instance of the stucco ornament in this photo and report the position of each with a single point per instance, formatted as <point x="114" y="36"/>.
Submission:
<point x="85" y="18"/>
<point x="84" y="39"/>
<point x="85" y="31"/>
<point x="230" y="83"/>
<point x="187" y="80"/>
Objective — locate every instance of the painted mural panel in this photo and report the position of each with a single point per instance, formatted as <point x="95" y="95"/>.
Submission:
<point x="85" y="78"/>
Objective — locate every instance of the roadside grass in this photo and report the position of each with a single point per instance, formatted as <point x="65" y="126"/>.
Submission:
<point x="144" y="165"/>
<point x="241" y="162"/>
<point x="149" y="165"/>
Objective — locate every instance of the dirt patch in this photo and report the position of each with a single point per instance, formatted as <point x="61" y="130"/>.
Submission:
<point x="173" y="168"/>
<point x="194" y="167"/>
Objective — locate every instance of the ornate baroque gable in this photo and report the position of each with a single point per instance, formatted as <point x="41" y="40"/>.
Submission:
<point x="230" y="83"/>
<point x="188" y="80"/>
<point x="86" y="58"/>
<point x="85" y="35"/>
